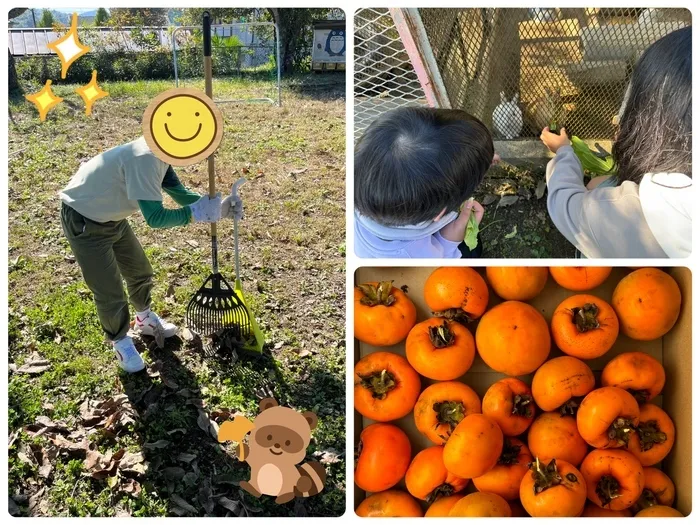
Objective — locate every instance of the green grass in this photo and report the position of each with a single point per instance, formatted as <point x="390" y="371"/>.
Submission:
<point x="292" y="257"/>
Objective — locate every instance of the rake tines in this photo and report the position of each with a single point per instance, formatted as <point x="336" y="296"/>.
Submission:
<point x="215" y="308"/>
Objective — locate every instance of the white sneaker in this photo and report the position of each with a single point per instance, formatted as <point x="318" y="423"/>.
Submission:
<point x="129" y="358"/>
<point x="148" y="325"/>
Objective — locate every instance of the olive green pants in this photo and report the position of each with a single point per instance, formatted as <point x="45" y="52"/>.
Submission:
<point x="106" y="253"/>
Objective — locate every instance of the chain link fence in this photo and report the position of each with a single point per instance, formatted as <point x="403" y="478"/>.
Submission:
<point x="518" y="70"/>
<point x="384" y="78"/>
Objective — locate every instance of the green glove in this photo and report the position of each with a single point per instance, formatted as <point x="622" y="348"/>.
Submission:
<point x="590" y="161"/>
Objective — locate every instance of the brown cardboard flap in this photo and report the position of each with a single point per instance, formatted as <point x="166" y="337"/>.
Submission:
<point x="673" y="351"/>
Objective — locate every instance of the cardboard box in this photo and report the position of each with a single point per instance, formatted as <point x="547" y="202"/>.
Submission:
<point x="674" y="351"/>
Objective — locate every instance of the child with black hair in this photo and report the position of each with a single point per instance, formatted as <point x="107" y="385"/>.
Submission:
<point x="645" y="210"/>
<point x="415" y="171"/>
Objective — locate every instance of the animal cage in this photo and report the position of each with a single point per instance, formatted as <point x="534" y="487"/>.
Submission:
<point x="518" y="70"/>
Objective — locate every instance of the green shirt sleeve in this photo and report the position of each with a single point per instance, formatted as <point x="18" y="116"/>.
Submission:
<point x="159" y="217"/>
<point x="173" y="187"/>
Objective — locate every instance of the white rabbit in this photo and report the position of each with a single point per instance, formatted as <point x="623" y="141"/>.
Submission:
<point x="508" y="117"/>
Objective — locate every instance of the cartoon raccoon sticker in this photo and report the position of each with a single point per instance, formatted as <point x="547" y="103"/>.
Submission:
<point x="275" y="452"/>
<point x="335" y="43"/>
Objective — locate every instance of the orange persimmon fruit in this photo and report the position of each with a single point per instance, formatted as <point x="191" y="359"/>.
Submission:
<point x="658" y="490"/>
<point x="591" y="510"/>
<point x="561" y="383"/>
<point x="389" y="504"/>
<point x="580" y="278"/>
<point x="553" y="489"/>
<point x="607" y="417"/>
<point x="440" y="349"/>
<point x="584" y="326"/>
<point x="517" y="283"/>
<point x="647" y="303"/>
<point x="442" y="506"/>
<point x="553" y="435"/>
<point x="458" y="293"/>
<point x="510" y="404"/>
<point x="474" y="447"/>
<point x="383" y="456"/>
<point x="441" y="407"/>
<point x="386" y="386"/>
<point x="638" y="373"/>
<point x="481" y="505"/>
<point x="513" y="338"/>
<point x="504" y="479"/>
<point x="427" y="478"/>
<point x="659" y="511"/>
<point x="654" y="436"/>
<point x="614" y="478"/>
<point x="383" y="314"/>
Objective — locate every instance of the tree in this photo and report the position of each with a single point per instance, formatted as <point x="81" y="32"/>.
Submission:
<point x="101" y="17"/>
<point x="138" y="17"/>
<point x="13" y="84"/>
<point x="46" y="19"/>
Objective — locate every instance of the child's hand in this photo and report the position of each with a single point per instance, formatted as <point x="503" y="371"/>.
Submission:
<point x="496" y="159"/>
<point x="456" y="229"/>
<point x="554" y="141"/>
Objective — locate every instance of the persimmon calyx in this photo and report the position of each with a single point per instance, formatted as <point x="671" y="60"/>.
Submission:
<point x="377" y="294"/>
<point x="586" y="317"/>
<point x="607" y="489"/>
<point x="449" y="412"/>
<point x="455" y="314"/>
<point x="439" y="492"/>
<point x="621" y="430"/>
<point x="509" y="455"/>
<point x="570" y="407"/>
<point x="650" y="434"/>
<point x="522" y="405"/>
<point x="545" y="476"/>
<point x="641" y="396"/>
<point x="646" y="500"/>
<point x="441" y="336"/>
<point x="379" y="383"/>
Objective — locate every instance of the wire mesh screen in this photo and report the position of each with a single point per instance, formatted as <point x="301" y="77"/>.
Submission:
<point x="384" y="76"/>
<point x="520" y="70"/>
<point x="244" y="61"/>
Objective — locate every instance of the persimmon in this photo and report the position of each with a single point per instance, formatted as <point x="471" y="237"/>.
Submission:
<point x="647" y="303"/>
<point x="474" y="447"/>
<point x="614" y="478"/>
<point x="504" y="479"/>
<point x="513" y="338"/>
<point x="440" y="349"/>
<point x="553" y="489"/>
<point x="607" y="417"/>
<point x="389" y="504"/>
<point x="441" y="507"/>
<point x="584" y="326"/>
<point x="458" y="293"/>
<point x="561" y="383"/>
<point x="658" y="490"/>
<point x="659" y="511"/>
<point x="654" y="436"/>
<point x="383" y="314"/>
<point x="386" y="386"/>
<point x="383" y="456"/>
<point x="427" y="478"/>
<point x="510" y="404"/>
<point x="441" y="407"/>
<point x="553" y="435"/>
<point x="580" y="278"/>
<point x="591" y="510"/>
<point x="517" y="283"/>
<point x="481" y="505"/>
<point x="638" y="373"/>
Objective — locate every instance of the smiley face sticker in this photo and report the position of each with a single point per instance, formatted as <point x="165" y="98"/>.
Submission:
<point x="182" y="126"/>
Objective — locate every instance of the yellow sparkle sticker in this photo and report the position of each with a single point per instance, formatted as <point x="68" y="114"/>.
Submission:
<point x="44" y="100"/>
<point x="91" y="93"/>
<point x="68" y="47"/>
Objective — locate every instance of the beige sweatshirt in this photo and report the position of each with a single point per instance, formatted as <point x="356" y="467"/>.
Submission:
<point x="605" y="222"/>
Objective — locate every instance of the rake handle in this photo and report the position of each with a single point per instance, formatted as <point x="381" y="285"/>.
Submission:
<point x="206" y="29"/>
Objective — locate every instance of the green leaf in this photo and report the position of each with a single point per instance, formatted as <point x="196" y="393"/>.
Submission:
<point x="470" y="235"/>
<point x="590" y="161"/>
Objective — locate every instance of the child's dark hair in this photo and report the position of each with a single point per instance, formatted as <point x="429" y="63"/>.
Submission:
<point x="411" y="163"/>
<point x="656" y="124"/>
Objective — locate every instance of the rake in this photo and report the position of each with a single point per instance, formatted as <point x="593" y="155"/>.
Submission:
<point x="216" y="310"/>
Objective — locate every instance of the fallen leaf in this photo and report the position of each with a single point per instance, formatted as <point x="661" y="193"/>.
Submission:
<point x="328" y="457"/>
<point x="489" y="199"/>
<point x="131" y="487"/>
<point x="304" y="353"/>
<point x="541" y="186"/>
<point x="507" y="200"/>
<point x="36" y="365"/>
<point x="183" y="504"/>
<point x="132" y="461"/>
<point x="513" y="233"/>
<point x="187" y="335"/>
<point x="205" y="496"/>
<point x="279" y="345"/>
<point x="71" y="448"/>
<point x="161" y="443"/>
<point x="194" y="244"/>
<point x="174" y="473"/>
<point x="92" y="458"/>
<point x="228" y="504"/>
<point x="170" y="292"/>
<point x="190" y="479"/>
<point x="186" y="458"/>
